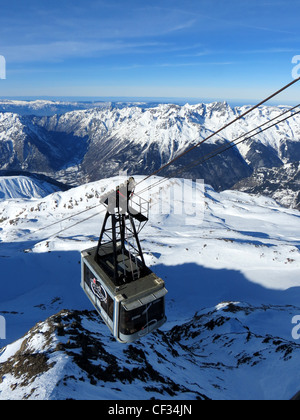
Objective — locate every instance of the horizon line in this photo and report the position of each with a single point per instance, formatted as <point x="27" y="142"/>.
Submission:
<point x="168" y="99"/>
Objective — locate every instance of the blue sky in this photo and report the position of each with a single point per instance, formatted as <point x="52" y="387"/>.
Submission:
<point x="234" y="50"/>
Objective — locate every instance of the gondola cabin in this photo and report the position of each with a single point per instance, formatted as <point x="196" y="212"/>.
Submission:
<point x="130" y="310"/>
<point x="128" y="296"/>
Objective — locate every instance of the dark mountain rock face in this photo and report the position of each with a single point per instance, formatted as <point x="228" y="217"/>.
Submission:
<point x="27" y="146"/>
<point x="91" y="144"/>
<point x="262" y="156"/>
<point x="290" y="151"/>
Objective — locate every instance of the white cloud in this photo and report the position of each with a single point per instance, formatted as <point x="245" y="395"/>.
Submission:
<point x="59" y="51"/>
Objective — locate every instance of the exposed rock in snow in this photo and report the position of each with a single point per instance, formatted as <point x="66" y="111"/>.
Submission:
<point x="282" y="184"/>
<point x="220" y="353"/>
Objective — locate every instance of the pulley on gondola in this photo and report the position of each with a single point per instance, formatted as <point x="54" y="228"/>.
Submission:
<point x="128" y="296"/>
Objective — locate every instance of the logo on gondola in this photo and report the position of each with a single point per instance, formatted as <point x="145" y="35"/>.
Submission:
<point x="98" y="291"/>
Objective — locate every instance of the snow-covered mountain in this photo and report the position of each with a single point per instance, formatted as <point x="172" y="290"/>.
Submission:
<point x="24" y="187"/>
<point x="86" y="145"/>
<point x="233" y="282"/>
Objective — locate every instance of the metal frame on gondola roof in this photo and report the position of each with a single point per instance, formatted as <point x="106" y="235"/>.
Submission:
<point x="148" y="283"/>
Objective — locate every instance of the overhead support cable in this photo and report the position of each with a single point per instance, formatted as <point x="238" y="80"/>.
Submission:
<point x="225" y="147"/>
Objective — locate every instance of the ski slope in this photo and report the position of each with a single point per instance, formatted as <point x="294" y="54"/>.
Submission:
<point x="233" y="276"/>
<point x="13" y="187"/>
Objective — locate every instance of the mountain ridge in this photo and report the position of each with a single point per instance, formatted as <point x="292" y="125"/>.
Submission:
<point x="86" y="145"/>
<point x="68" y="356"/>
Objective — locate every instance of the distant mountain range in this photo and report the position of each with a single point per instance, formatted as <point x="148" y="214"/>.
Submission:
<point x="75" y="143"/>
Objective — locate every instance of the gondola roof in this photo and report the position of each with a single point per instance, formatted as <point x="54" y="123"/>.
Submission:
<point x="146" y="285"/>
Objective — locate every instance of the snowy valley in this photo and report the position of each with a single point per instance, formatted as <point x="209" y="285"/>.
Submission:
<point x="233" y="277"/>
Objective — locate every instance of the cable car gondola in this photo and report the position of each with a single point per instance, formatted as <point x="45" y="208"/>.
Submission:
<point x="128" y="296"/>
